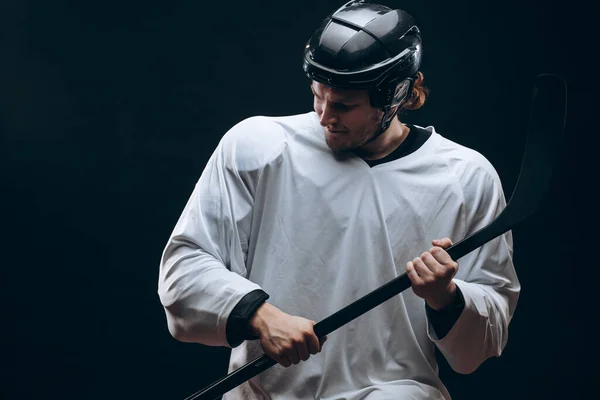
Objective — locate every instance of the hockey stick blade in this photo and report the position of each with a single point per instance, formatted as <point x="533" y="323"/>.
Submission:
<point x="545" y="130"/>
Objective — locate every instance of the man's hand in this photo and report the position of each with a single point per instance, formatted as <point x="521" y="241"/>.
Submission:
<point x="431" y="275"/>
<point x="285" y="338"/>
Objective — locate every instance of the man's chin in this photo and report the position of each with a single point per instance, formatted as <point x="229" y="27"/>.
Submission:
<point x="338" y="147"/>
<point x="342" y="147"/>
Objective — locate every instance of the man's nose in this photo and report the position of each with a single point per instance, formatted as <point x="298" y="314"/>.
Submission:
<point x="328" y="117"/>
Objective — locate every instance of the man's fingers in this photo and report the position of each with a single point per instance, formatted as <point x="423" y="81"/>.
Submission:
<point x="434" y="262"/>
<point x="283" y="361"/>
<point x="415" y="279"/>
<point x="443" y="243"/>
<point x="303" y="352"/>
<point x="313" y="343"/>
<point x="322" y="340"/>
<point x="441" y="255"/>
<point x="293" y="357"/>
<point x="442" y="258"/>
<point x="422" y="270"/>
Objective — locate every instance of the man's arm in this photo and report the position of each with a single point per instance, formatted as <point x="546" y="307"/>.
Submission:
<point x="203" y="273"/>
<point x="202" y="269"/>
<point x="202" y="282"/>
<point x="486" y="279"/>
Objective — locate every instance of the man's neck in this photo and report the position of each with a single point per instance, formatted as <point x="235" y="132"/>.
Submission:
<point x="386" y="143"/>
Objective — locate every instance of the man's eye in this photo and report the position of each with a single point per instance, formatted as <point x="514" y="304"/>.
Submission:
<point x="342" y="107"/>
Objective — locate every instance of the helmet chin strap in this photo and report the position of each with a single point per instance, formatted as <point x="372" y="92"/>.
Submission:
<point x="386" y="121"/>
<point x="402" y="93"/>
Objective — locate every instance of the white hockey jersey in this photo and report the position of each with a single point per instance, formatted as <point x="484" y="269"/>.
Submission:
<point x="275" y="209"/>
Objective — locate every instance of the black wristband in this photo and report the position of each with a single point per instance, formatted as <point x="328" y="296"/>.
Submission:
<point x="237" y="323"/>
<point x="443" y="320"/>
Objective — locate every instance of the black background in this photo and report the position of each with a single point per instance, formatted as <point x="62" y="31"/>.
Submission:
<point x="110" y="110"/>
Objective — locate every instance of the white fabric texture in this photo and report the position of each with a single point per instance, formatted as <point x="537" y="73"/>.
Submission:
<point x="275" y="209"/>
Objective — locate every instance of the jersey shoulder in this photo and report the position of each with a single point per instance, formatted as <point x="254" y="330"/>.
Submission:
<point x="257" y="141"/>
<point x="252" y="143"/>
<point x="466" y="162"/>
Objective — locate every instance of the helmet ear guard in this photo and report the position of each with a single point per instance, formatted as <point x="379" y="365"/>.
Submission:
<point x="393" y="95"/>
<point x="402" y="92"/>
<point x="391" y="102"/>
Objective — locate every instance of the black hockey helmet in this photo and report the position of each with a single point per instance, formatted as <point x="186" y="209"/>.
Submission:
<point x="367" y="46"/>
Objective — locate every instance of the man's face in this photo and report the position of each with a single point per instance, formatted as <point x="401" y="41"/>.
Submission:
<point x="347" y="115"/>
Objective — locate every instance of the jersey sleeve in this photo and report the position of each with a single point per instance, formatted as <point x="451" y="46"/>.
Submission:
<point x="202" y="274"/>
<point x="486" y="278"/>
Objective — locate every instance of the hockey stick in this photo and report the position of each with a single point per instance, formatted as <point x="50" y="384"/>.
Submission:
<point x="546" y="124"/>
